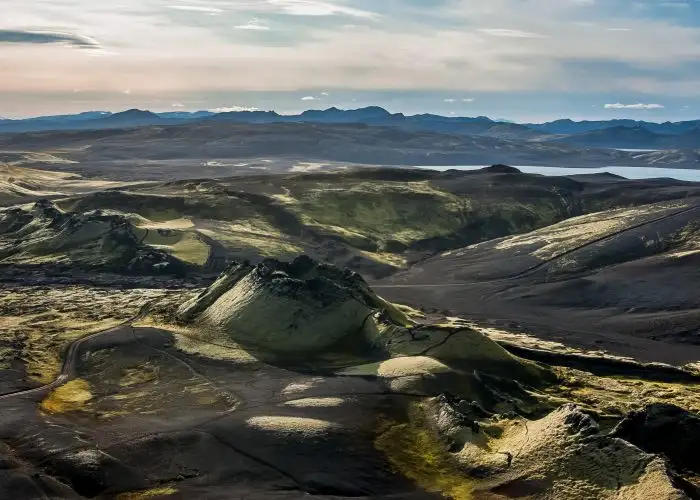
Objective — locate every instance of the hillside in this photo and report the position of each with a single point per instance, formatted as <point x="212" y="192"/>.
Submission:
<point x="618" y="280"/>
<point x="375" y="221"/>
<point x="334" y="332"/>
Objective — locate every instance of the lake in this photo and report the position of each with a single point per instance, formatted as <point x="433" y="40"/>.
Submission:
<point x="628" y="172"/>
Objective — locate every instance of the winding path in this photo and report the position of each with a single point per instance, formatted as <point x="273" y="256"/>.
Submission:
<point x="69" y="363"/>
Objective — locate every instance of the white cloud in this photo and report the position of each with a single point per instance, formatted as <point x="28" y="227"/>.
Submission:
<point x="619" y="29"/>
<point x="197" y="8"/>
<point x="253" y="25"/>
<point x="639" y="105"/>
<point x="308" y="98"/>
<point x="325" y="93"/>
<point x="177" y="105"/>
<point x="126" y="92"/>
<point x="233" y="109"/>
<point x="314" y="8"/>
<point x="469" y="99"/>
<point x="506" y="33"/>
<point x="450" y="100"/>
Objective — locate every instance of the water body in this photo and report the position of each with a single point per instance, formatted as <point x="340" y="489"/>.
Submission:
<point x="628" y="172"/>
<point x="638" y="150"/>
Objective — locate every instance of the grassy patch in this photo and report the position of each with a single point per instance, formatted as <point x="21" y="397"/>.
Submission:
<point x="416" y="451"/>
<point x="72" y="396"/>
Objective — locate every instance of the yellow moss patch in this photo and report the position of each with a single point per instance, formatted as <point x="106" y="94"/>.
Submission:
<point x="71" y="396"/>
<point x="614" y="395"/>
<point x="152" y="493"/>
<point x="416" y="451"/>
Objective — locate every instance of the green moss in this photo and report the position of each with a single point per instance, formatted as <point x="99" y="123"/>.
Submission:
<point x="416" y="451"/>
<point x="254" y="244"/>
<point x="403" y="212"/>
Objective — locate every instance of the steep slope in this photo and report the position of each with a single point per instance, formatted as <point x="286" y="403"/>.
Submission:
<point x="620" y="280"/>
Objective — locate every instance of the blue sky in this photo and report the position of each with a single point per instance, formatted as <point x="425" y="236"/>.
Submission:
<point x="526" y="60"/>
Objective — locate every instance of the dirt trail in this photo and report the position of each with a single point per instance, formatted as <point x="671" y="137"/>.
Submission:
<point x="69" y="362"/>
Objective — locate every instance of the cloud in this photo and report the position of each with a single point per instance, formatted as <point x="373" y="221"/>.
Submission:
<point x="489" y="48"/>
<point x="177" y="105"/>
<point x="634" y="106"/>
<point x="314" y="8"/>
<point x="233" y="109"/>
<point x="325" y="94"/>
<point x="308" y="98"/>
<point x="47" y="37"/>
<point x="126" y="92"/>
<point x="450" y="100"/>
<point x="506" y="33"/>
<point x="197" y="8"/>
<point x="469" y="99"/>
<point x="254" y="24"/>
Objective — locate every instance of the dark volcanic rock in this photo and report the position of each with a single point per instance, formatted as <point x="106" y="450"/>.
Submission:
<point x="667" y="430"/>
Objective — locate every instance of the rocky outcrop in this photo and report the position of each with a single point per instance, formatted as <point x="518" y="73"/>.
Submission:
<point x="563" y="455"/>
<point x="94" y="239"/>
<point x="666" y="430"/>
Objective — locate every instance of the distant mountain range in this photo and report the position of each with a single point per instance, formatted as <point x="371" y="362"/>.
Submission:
<point x="570" y="127"/>
<point x="638" y="137"/>
<point x="628" y="134"/>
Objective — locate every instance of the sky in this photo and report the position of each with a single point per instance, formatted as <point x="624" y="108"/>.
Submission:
<point x="522" y="60"/>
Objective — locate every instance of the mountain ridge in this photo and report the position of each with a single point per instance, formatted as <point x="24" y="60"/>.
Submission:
<point x="616" y="133"/>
